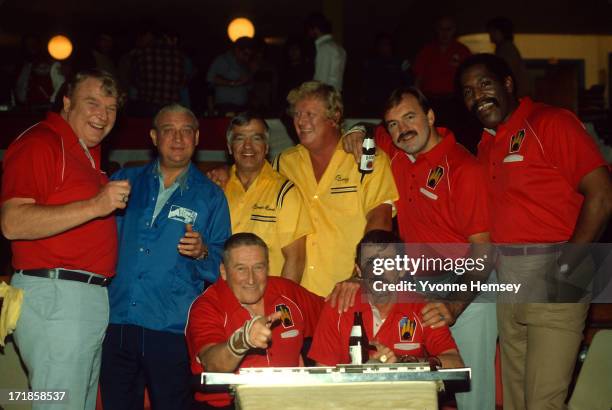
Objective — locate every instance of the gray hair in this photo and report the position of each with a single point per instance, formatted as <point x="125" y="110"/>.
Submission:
<point x="175" y="108"/>
<point x="242" y="119"/>
<point x="242" y="239"/>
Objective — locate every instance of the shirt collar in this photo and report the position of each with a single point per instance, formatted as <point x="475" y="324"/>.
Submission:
<point x="68" y="136"/>
<point x="181" y="180"/>
<point x="526" y="106"/>
<point x="264" y="173"/>
<point x="435" y="155"/>
<point x="323" y="38"/>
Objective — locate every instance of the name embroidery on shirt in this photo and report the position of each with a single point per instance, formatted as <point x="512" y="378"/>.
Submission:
<point x="184" y="215"/>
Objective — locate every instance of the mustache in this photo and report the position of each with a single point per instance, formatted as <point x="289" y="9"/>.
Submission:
<point x="484" y="101"/>
<point x="406" y="134"/>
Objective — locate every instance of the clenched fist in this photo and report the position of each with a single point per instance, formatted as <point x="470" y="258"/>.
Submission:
<point x="113" y="195"/>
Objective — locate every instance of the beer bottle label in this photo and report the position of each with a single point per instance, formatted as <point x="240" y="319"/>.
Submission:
<point x="355" y="353"/>
<point x="356" y="331"/>
<point x="366" y="163"/>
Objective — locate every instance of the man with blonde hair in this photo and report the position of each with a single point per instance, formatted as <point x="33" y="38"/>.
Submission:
<point x="344" y="203"/>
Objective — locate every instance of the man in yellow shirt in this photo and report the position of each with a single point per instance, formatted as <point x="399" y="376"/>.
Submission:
<point x="343" y="202"/>
<point x="262" y="201"/>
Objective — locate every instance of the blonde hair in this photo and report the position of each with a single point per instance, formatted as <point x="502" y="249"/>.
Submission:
<point x="334" y="108"/>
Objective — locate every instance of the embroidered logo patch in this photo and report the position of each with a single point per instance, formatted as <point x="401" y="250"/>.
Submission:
<point x="286" y="318"/>
<point x="516" y="141"/>
<point x="434" y="177"/>
<point x="184" y="215"/>
<point x="406" y="329"/>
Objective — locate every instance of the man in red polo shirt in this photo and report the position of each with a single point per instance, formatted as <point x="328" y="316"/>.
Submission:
<point x="395" y="328"/>
<point x="247" y="319"/>
<point x="56" y="210"/>
<point x="547" y="185"/>
<point x="436" y="63"/>
<point x="442" y="201"/>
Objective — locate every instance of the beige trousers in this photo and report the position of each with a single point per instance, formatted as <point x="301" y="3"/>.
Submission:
<point x="539" y="341"/>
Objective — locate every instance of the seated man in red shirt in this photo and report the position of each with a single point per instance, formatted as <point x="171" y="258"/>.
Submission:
<point x="247" y="319"/>
<point x="393" y="327"/>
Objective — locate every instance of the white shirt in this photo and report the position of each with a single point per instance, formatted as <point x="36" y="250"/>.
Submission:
<point x="329" y="62"/>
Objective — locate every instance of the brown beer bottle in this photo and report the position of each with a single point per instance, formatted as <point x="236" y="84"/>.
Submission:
<point x="358" y="341"/>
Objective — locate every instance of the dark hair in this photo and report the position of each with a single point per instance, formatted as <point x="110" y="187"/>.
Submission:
<point x="495" y="65"/>
<point x="110" y="86"/>
<point x="503" y="25"/>
<point x="378" y="236"/>
<point x="318" y="20"/>
<point x="398" y="94"/>
<point x="244" y="43"/>
<point x="243" y="118"/>
<point x="242" y="239"/>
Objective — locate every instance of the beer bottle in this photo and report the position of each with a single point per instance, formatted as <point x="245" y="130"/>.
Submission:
<point x="368" y="152"/>
<point x="358" y="341"/>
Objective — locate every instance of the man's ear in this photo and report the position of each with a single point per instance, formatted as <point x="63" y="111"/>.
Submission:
<point x="66" y="101"/>
<point x="336" y="119"/>
<point x="431" y="117"/>
<point x="357" y="272"/>
<point x="153" y="134"/>
<point x="509" y="85"/>
<point x="222" y="271"/>
<point x="197" y="138"/>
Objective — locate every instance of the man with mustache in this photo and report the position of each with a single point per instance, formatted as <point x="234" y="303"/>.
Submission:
<point x="547" y="184"/>
<point x="441" y="201"/>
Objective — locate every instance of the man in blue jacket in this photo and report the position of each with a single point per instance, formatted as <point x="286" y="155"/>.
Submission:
<point x="171" y="237"/>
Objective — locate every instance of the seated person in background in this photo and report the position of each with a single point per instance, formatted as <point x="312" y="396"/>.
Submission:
<point x="264" y="202"/>
<point x="248" y="319"/>
<point x="393" y="327"/>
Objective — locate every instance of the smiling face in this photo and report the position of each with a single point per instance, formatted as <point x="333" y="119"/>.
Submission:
<point x="312" y="124"/>
<point x="492" y="101"/>
<point x="90" y="111"/>
<point x="249" y="146"/>
<point x="246" y="273"/>
<point x="176" y="136"/>
<point x="410" y="127"/>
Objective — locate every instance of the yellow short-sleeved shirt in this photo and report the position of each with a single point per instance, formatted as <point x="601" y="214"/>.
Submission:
<point x="272" y="208"/>
<point x="338" y="204"/>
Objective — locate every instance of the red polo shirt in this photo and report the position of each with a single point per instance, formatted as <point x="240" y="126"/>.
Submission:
<point x="443" y="196"/>
<point x="216" y="314"/>
<point x="48" y="164"/>
<point x="401" y="331"/>
<point x="435" y="68"/>
<point x="534" y="164"/>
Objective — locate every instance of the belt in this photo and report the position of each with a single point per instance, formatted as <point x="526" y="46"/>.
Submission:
<point x="66" y="274"/>
<point x="528" y="250"/>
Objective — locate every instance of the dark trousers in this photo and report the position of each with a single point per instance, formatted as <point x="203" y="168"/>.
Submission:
<point x="134" y="357"/>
